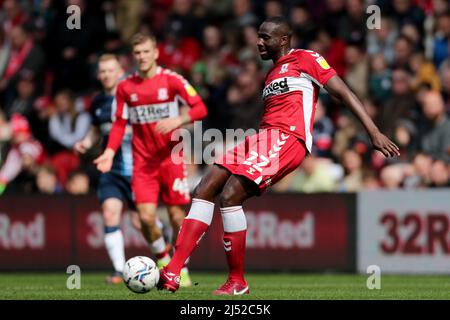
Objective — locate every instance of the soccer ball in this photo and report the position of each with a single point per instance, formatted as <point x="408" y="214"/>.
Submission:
<point x="140" y="274"/>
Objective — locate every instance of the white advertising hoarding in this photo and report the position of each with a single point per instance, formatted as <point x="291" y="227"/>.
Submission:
<point x="404" y="231"/>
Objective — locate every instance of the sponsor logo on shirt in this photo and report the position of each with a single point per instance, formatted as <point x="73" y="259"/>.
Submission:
<point x="276" y="87"/>
<point x="152" y="112"/>
<point x="190" y="90"/>
<point x="323" y="63"/>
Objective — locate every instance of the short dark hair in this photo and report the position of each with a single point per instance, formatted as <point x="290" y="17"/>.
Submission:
<point x="282" y="22"/>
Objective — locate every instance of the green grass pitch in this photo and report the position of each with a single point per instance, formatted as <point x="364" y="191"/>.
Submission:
<point x="263" y="286"/>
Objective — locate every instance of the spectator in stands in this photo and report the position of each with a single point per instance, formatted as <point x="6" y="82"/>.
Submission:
<point x="72" y="48"/>
<point x="323" y="132"/>
<point x="250" y="49"/>
<point x="182" y="18"/>
<point x="47" y="181"/>
<point x="128" y="17"/>
<point x="304" y="28"/>
<point x="440" y="177"/>
<point x="353" y="169"/>
<point x="400" y="105"/>
<point x="178" y="52"/>
<point x="357" y="70"/>
<point x="25" y="152"/>
<point x="424" y="72"/>
<point x="77" y="183"/>
<point x="12" y="15"/>
<point x="242" y="15"/>
<point x="25" y="59"/>
<point x="435" y="134"/>
<point x="392" y="176"/>
<point x="403" y="50"/>
<point x="380" y="79"/>
<point x="43" y="109"/>
<point x="440" y="7"/>
<point x="442" y="39"/>
<point x="404" y="12"/>
<point x="244" y="98"/>
<point x="331" y="48"/>
<point x="405" y="136"/>
<point x="314" y="175"/>
<point x="352" y="27"/>
<point x="412" y="33"/>
<point x="370" y="181"/>
<point x="24" y="101"/>
<point x="66" y="127"/>
<point x="218" y="59"/>
<point x="418" y="174"/>
<point x="335" y="13"/>
<point x="382" y="41"/>
<point x="346" y="131"/>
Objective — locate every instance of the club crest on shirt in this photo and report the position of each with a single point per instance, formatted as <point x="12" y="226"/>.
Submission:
<point x="162" y="94"/>
<point x="133" y="97"/>
<point x="284" y="68"/>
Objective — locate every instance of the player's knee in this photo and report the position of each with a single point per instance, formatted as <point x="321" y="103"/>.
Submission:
<point x="204" y="191"/>
<point x="199" y="191"/>
<point x="148" y="219"/>
<point x="111" y="214"/>
<point x="228" y="198"/>
<point x="177" y="217"/>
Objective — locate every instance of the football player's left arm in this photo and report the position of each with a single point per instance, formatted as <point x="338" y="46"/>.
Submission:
<point x="197" y="109"/>
<point x="337" y="88"/>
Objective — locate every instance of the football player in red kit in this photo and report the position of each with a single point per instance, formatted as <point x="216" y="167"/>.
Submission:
<point x="291" y="89"/>
<point x="150" y="100"/>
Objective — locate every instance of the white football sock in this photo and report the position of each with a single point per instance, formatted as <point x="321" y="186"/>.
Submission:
<point x="158" y="246"/>
<point x="201" y="210"/>
<point x="233" y="219"/>
<point x="116" y="249"/>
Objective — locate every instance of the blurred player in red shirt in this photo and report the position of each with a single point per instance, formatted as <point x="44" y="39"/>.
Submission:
<point x="151" y="99"/>
<point x="290" y="94"/>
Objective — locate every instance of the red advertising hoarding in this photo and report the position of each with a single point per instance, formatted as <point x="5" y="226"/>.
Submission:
<point x="285" y="232"/>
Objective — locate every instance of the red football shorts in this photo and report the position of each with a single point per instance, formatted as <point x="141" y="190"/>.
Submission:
<point x="149" y="179"/>
<point x="265" y="158"/>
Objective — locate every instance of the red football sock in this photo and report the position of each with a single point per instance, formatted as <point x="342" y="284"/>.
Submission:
<point x="192" y="230"/>
<point x="235" y="230"/>
<point x="234" y="244"/>
<point x="190" y="235"/>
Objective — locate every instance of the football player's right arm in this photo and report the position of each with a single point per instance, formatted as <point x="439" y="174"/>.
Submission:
<point x="105" y="160"/>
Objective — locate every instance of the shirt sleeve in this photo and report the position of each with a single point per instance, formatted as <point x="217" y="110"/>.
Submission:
<point x="317" y="67"/>
<point x="119" y="121"/>
<point x="187" y="92"/>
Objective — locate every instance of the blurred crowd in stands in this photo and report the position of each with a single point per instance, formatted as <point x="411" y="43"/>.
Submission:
<point x="401" y="72"/>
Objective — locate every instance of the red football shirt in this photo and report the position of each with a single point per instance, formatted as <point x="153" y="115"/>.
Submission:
<point x="291" y="90"/>
<point x="144" y="102"/>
